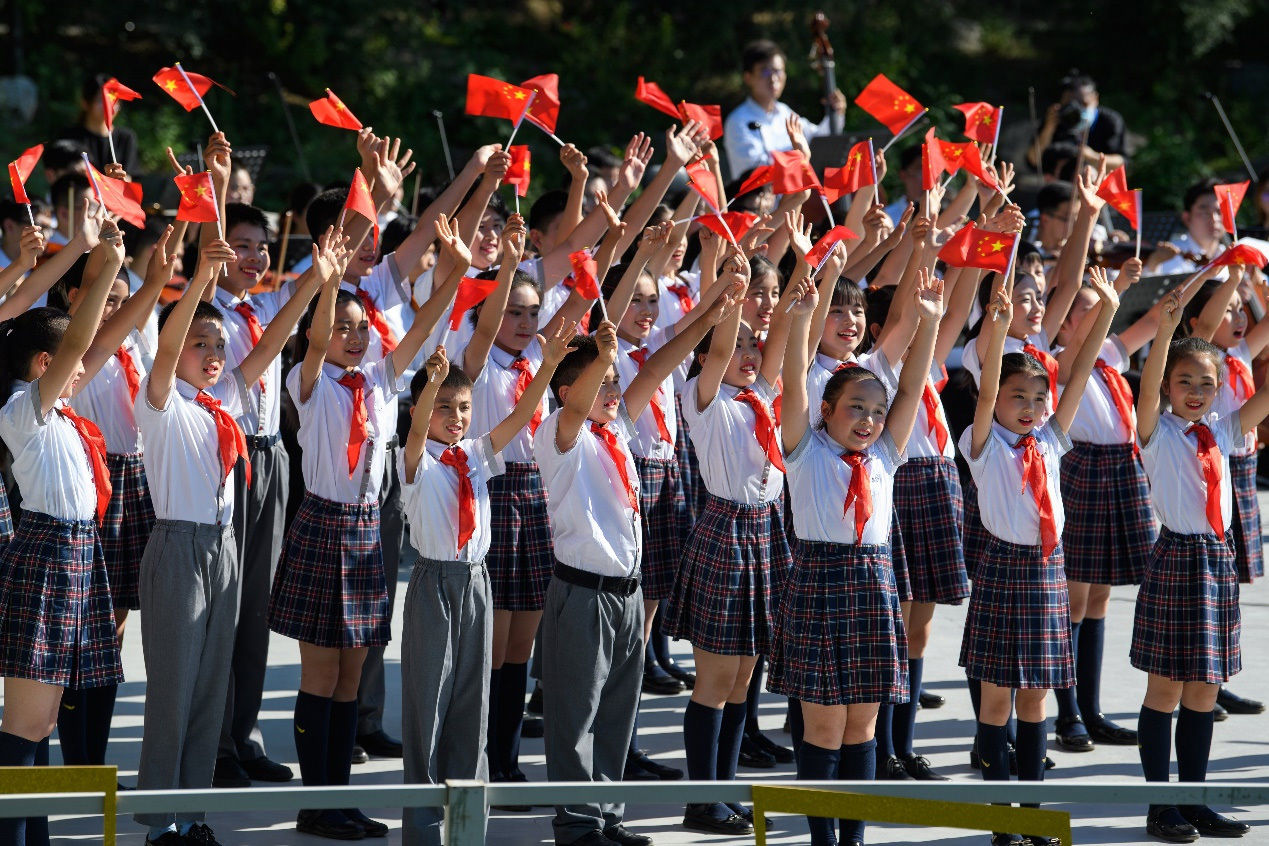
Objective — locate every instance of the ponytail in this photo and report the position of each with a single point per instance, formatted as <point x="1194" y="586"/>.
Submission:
<point x="22" y="338"/>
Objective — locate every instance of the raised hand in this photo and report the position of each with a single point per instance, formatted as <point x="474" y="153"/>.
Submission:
<point x="452" y="243"/>
<point x="480" y="158"/>
<point x="806" y="297"/>
<point x="606" y="340"/>
<point x="162" y="266"/>
<point x="635" y="162"/>
<point x="391" y="166"/>
<point x="1170" y="314"/>
<point x="499" y="164"/>
<point x="216" y="253"/>
<point x="682" y="146"/>
<point x="1000" y="309"/>
<point x="615" y="223"/>
<point x="929" y="295"/>
<point x="437" y="365"/>
<point x="31" y="247"/>
<point x="218" y="156"/>
<point x="655" y="237"/>
<point x="799" y="232"/>
<point x="574" y="161"/>
<point x="89" y="220"/>
<point x="331" y="254"/>
<point x="555" y="347"/>
<point x="112" y="242"/>
<point x="1010" y="219"/>
<point x="513" y="238"/>
<point x="732" y="297"/>
<point x="793" y="125"/>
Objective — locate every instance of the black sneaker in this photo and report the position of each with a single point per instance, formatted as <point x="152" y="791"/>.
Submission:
<point x="201" y="834"/>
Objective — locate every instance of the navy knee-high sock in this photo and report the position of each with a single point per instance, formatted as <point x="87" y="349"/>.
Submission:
<point x="753" y="696"/>
<point x="1031" y="749"/>
<point x="1193" y="744"/>
<point x="491" y="730"/>
<point x="858" y="762"/>
<point x="1012" y="726"/>
<point x="1088" y="667"/>
<point x="1154" y="744"/>
<point x="661" y="641"/>
<point x="816" y="763"/>
<point x="904" y="720"/>
<point x="797" y="724"/>
<point x="885" y="731"/>
<point x="100" y="714"/>
<point x="513" y="686"/>
<point x="730" y="733"/>
<point x="343" y="734"/>
<point x="37" y="827"/>
<point x="15" y="752"/>
<point x="1068" y="704"/>
<point x="975" y="694"/>
<point x="72" y="728"/>
<point x="701" y="726"/>
<point x="312" y="736"/>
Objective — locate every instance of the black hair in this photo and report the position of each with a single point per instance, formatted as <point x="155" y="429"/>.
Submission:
<point x="909" y="155"/>
<point x="1058" y="160"/>
<point x="237" y="214"/>
<point x="324" y="210"/>
<point x="1197" y="191"/>
<point x="25" y="336"/>
<point x="455" y="380"/>
<point x="1074" y="81"/>
<point x="702" y="348"/>
<point x="61" y="154"/>
<point x="582" y="351"/>
<point x="90" y="88"/>
<point x="306" y="322"/>
<point x="203" y="311"/>
<point x="395" y="233"/>
<point x="301" y="195"/>
<point x="1020" y="363"/>
<point x="10" y="210"/>
<point x="546" y="209"/>
<point x="65" y="183"/>
<point x="1198" y="302"/>
<point x="757" y="52"/>
<point x="843" y="376"/>
<point x="760" y="265"/>
<point x="135" y="240"/>
<point x="1052" y="196"/>
<point x="1183" y="348"/>
<point x="601" y="158"/>
<point x="73" y="278"/>
<point x="519" y="279"/>
<point x="878" y="308"/>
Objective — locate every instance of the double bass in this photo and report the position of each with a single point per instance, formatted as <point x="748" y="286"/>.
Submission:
<point x="822" y="55"/>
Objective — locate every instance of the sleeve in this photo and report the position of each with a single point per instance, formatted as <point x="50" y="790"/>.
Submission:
<point x="764" y="389"/>
<point x="802" y="452"/>
<point x="1228" y="432"/>
<point x="1115" y="354"/>
<point x="385" y="284"/>
<point x="386" y="378"/>
<point x="888" y="453"/>
<point x="423" y="286"/>
<point x="304" y="409"/>
<point x="489" y="463"/>
<point x="268" y="304"/>
<point x="744" y="146"/>
<point x="1153" y="449"/>
<point x="142" y="409"/>
<point x="969" y="359"/>
<point x="625" y="425"/>
<point x="977" y="465"/>
<point x="559" y="469"/>
<point x="1055" y="436"/>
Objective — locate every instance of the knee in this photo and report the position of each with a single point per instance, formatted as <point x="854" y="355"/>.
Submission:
<point x="861" y="725"/>
<point x="918" y="639"/>
<point x="320" y="680"/>
<point x="1197" y="696"/>
<point x="996" y="706"/>
<point x="1030" y="705"/>
<point x="1098" y="602"/>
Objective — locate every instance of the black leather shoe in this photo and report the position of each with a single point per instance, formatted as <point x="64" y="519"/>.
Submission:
<point x="746" y="813"/>
<point x="918" y="766"/>
<point x="167" y="838"/>
<point x="1235" y="704"/>
<point x="754" y="756"/>
<point x="892" y="769"/>
<point x="975" y="760"/>
<point x="639" y="767"/>
<point x="661" y="683"/>
<point x="262" y="769"/>
<point x="1211" y="824"/>
<point x="623" y="836"/>
<point x="369" y="827"/>
<point x="999" y="838"/>
<point x="931" y="701"/>
<point x="379" y="744"/>
<point x="775" y="750"/>
<point x="702" y="818"/>
<point x="688" y="679"/>
<point x="229" y="773"/>
<point x="1166" y="823"/>
<point x="202" y="835"/>
<point x="593" y="838"/>
<point x="1219" y="714"/>
<point x="1103" y="730"/>
<point x="359" y="756"/>
<point x="329" y="824"/>
<point x="1073" y="736"/>
<point x="1040" y="840"/>
<point x="532" y="727"/>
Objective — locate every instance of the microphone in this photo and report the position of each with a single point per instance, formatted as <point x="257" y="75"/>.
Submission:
<point x="754" y="125"/>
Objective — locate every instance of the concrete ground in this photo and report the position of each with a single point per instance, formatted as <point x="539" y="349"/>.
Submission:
<point x="1240" y="749"/>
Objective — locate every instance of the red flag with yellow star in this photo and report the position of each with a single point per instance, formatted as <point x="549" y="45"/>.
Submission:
<point x="331" y="111"/>
<point x="119" y="197"/>
<point x="932" y="161"/>
<point x="820" y="251"/>
<point x="980" y="121"/>
<point x="361" y="201"/>
<point x="973" y="247"/>
<point x="855" y="174"/>
<point x="965" y="155"/>
<point x="545" y="111"/>
<point x="489" y="97"/>
<point x="889" y="103"/>
<point x="111" y="93"/>
<point x="171" y="81"/>
<point x="710" y="117"/>
<point x="702" y="181"/>
<point x="1114" y="190"/>
<point x="519" y="171"/>
<point x="1229" y="197"/>
<point x="792" y="173"/>
<point x="198" y="198"/>
<point x="1241" y="254"/>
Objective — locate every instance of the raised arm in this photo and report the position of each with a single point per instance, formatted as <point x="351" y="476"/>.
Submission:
<point x="721" y="347"/>
<point x="996" y="328"/>
<point x="654" y="237"/>
<point x="928" y="304"/>
<point x="134" y="310"/>
<point x="88" y="231"/>
<point x="901" y="323"/>
<point x="176" y="327"/>
<point x="574" y="161"/>
<point x="960" y="286"/>
<point x="581" y="394"/>
<point x="467" y="223"/>
<point x="794" y="416"/>
<point x="1214" y="309"/>
<point x="409" y="252"/>
<point x="1068" y="275"/>
<point x="437" y="367"/>
<point x="859" y="268"/>
<point x="680" y="147"/>
<point x="30" y="248"/>
<point x="454" y="248"/>
<point x="553" y="351"/>
<point x="320" y="332"/>
<point x="1149" y="401"/>
<point x="1077" y="380"/>
<point x="477" y="353"/>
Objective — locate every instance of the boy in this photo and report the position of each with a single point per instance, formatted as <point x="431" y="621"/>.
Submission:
<point x="1203" y="235"/>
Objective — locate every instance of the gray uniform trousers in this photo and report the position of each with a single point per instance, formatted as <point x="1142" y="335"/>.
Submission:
<point x="189" y="604"/>
<point x="259" y="519"/>
<point x="446" y="656"/>
<point x="592" y="673"/>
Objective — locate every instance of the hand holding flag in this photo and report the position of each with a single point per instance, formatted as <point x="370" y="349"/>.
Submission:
<point x="119" y="197"/>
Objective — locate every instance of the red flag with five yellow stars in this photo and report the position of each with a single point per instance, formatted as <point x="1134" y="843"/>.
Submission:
<point x="973" y="247"/>
<point x="545" y="111"/>
<point x="1114" y="190"/>
<point x="889" y="103"/>
<point x="855" y="174"/>
<point x="1229" y="197"/>
<point x="198" y="198"/>
<point x="331" y="111"/>
<point x="521" y="166"/>
<point x="361" y="201"/>
<point x="980" y="121"/>
<point x="489" y="97"/>
<point x="111" y="93"/>
<point x="119" y="197"/>
<point x="171" y="81"/>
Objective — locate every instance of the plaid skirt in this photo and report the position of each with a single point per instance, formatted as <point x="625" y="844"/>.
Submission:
<point x="1109" y="522"/>
<point x="839" y="637"/>
<point x="1249" y="551"/>
<point x="521" y="555"/>
<point x="6" y="518"/>
<point x="329" y="589"/>
<point x="694" y="492"/>
<point x="976" y="535"/>
<point x="1018" y="629"/>
<point x="927" y="502"/>
<point x="126" y="528"/>
<point x="725" y="596"/>
<point x="661" y="505"/>
<point x="57" y="622"/>
<point x="1187" y="624"/>
<point x="899" y="560"/>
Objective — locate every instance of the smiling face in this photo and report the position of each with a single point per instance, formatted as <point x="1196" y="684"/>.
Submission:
<point x="1191" y="386"/>
<point x="1085" y="299"/>
<point x="202" y="357"/>
<point x="350" y="335"/>
<point x="251" y="244"/>
<point x="451" y="415"/>
<point x="1021" y="402"/>
<point x="857" y="416"/>
<point x="843" y="330"/>
<point x="643" y="312"/>
<point x="608" y="401"/>
<point x="1233" y="325"/>
<point x="1028" y="308"/>
<point x="760" y="301"/>
<point x="519" y="320"/>
<point x="488" y="239"/>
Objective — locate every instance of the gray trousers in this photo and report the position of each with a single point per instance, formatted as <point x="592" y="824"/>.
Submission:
<point x="259" y="519"/>
<point x="189" y="604"/>
<point x="446" y="656"/>
<point x="372" y="691"/>
<point x="592" y="672"/>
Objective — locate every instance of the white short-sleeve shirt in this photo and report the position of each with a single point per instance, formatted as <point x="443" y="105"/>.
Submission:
<point x="819" y="483"/>
<point x="494" y="396"/>
<point x="1097" y="421"/>
<point x="50" y="461"/>
<point x="1007" y="512"/>
<point x="733" y="464"/>
<point x="1230" y="398"/>
<point x="262" y="407"/>
<point x="822" y="369"/>
<point x="430" y="500"/>
<point x="105" y="399"/>
<point x="1177" y="487"/>
<point x="647" y="442"/>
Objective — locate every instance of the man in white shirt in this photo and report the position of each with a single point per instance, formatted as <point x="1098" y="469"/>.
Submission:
<point x="755" y="129"/>
<point x="1203" y="235"/>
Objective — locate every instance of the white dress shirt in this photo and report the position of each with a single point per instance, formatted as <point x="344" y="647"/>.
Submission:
<point x="105" y="399"/>
<point x="1007" y="511"/>
<point x="50" y="461"/>
<point x="647" y="441"/>
<point x="1229" y="399"/>
<point x="262" y="407"/>
<point x="1097" y="420"/>
<point x="494" y="396"/>
<point x="430" y="500"/>
<point x="733" y="464"/>
<point x="748" y="147"/>
<point x="1177" y="487"/>
<point x="819" y="482"/>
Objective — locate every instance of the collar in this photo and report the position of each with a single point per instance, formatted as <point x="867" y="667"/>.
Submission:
<point x="229" y="300"/>
<point x="753" y="104"/>
<point x="335" y="372"/>
<point x="503" y="357"/>
<point x="1011" y="437"/>
<point x="836" y="447"/>
<point x="185" y="389"/>
<point x="435" y="448"/>
<point x="829" y="363"/>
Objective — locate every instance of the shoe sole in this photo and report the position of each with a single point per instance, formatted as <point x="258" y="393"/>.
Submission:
<point x="709" y="829"/>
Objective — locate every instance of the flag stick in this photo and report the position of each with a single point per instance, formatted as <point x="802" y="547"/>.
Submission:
<point x="287" y="220"/>
<point x="527" y="105"/>
<point x="70" y="210"/>
<point x="901" y="132"/>
<point x="872" y="160"/>
<point x="220" y="227"/>
<point x="995" y="141"/>
<point x="445" y="331"/>
<point x="549" y="134"/>
<point x="92" y="178"/>
<point x="1137" y="194"/>
<point x="440" y="124"/>
<point x="110" y="135"/>
<point x="30" y="214"/>
<point x="206" y="111"/>
<point x="418" y="186"/>
<point x="828" y="210"/>
<point x="1233" y="136"/>
<point x="516" y="194"/>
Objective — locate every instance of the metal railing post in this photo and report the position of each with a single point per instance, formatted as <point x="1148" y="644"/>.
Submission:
<point x="466" y="813"/>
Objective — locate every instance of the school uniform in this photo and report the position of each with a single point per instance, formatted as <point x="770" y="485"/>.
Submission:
<point x="1238" y="387"/>
<point x="840" y="638"/>
<point x="679" y="294"/>
<point x="1018" y="629"/>
<point x="189" y="586"/>
<point x="108" y="400"/>
<point x="447" y="643"/>
<point x="520" y="552"/>
<point x="1109" y="525"/>
<point x="1187" y="625"/>
<point x="56" y="618"/>
<point x="330" y="588"/>
<point x="736" y="558"/>
<point x="661" y="500"/>
<point x="592" y="621"/>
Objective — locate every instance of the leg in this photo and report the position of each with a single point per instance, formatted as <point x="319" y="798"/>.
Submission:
<point x="343" y="732"/>
<point x="1072" y="735"/>
<point x="619" y="699"/>
<point x="819" y="755"/>
<point x="396" y="551"/>
<point x="1088" y="671"/>
<point x="1031" y="737"/>
<point x="427" y="683"/>
<point x="858" y="761"/>
<point x="506" y="722"/>
<point x="1154" y="727"/>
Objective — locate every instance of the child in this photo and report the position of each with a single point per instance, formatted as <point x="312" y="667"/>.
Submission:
<point x="839" y="640"/>
<point x="1186" y="628"/>
<point x="448" y="637"/>
<point x="55" y="612"/>
<point x="592" y="623"/>
<point x="1017" y="632"/>
<point x="330" y="591"/>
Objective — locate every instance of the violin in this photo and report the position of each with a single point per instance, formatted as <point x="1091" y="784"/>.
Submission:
<point x="822" y="56"/>
<point x="1113" y="255"/>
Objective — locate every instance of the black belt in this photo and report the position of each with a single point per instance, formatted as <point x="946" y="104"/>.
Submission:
<point x="263" y="441"/>
<point x="594" y="581"/>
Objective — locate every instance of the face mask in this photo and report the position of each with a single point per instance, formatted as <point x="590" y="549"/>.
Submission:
<point x="1088" y="115"/>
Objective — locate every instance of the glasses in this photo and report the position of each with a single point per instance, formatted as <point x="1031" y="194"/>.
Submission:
<point x="773" y="73"/>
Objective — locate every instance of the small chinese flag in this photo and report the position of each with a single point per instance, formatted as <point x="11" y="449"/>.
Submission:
<point x="932" y="161"/>
<point x="20" y="169"/>
<point x="965" y="155"/>
<point x="855" y="174"/>
<point x="889" y="104"/>
<point x="489" y="97"/>
<point x="793" y="173"/>
<point x="980" y="121"/>
<point x="171" y="81"/>
<point x="711" y="117"/>
<point x="545" y="111"/>
<point x="360" y="201"/>
<point x="1230" y="197"/>
<point x="822" y="247"/>
<point x="973" y="247"/>
<point x="119" y="197"/>
<point x="331" y="111"/>
<point x="703" y="182"/>
<point x="585" y="269"/>
<point x="737" y="222"/>
<point x="761" y="175"/>
<point x="471" y="292"/>
<point x="1114" y="190"/>
<point x="1240" y="254"/>
<point x="111" y="93"/>
<point x="519" y="171"/>
<point x="649" y="93"/>
<point x="198" y="198"/>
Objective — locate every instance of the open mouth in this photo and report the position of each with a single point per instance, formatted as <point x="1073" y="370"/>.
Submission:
<point x="1028" y="422"/>
<point x="862" y="434"/>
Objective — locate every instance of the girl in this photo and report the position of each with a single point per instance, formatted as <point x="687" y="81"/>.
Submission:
<point x="330" y="591"/>
<point x="1017" y="631"/>
<point x="1186" y="628"/>
<point x="55" y="613"/>
<point x="839" y="640"/>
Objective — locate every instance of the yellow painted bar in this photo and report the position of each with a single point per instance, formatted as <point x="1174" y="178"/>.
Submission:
<point x="68" y="780"/>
